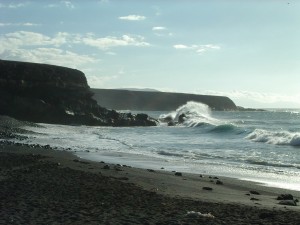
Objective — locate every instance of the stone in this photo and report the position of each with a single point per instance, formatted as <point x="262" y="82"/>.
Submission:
<point x="207" y="188"/>
<point x="219" y="182"/>
<point x="106" y="167"/>
<point x="285" y="197"/>
<point x="254" y="192"/>
<point x="178" y="174"/>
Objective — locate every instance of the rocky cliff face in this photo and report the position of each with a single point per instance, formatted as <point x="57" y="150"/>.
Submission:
<point x="53" y="94"/>
<point x="157" y="101"/>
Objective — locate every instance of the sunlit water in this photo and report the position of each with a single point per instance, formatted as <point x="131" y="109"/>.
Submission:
<point x="257" y="146"/>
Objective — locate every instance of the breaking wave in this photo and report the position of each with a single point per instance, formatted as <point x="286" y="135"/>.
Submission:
<point x="275" y="137"/>
<point x="195" y="114"/>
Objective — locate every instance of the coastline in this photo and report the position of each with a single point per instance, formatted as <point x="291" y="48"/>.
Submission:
<point x="128" y="195"/>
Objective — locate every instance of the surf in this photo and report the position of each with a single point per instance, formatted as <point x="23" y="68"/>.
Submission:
<point x="275" y="137"/>
<point x="197" y="115"/>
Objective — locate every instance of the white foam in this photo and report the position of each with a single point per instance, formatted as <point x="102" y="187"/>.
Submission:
<point x="275" y="137"/>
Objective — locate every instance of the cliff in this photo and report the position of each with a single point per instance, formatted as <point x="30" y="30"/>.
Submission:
<point x="156" y="101"/>
<point x="53" y="94"/>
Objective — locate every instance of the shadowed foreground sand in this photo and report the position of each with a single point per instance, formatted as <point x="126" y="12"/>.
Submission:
<point x="42" y="186"/>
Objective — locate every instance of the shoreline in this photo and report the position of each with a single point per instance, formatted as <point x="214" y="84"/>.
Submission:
<point x="158" y="196"/>
<point x="158" y="164"/>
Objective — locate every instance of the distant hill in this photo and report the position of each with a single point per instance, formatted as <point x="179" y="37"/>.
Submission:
<point x="156" y="101"/>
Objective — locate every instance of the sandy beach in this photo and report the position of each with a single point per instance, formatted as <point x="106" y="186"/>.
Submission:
<point x="44" y="186"/>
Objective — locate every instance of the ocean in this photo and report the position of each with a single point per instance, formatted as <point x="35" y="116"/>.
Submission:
<point x="260" y="146"/>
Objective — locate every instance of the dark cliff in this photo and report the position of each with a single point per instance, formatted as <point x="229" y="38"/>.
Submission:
<point x="157" y="101"/>
<point x="53" y="94"/>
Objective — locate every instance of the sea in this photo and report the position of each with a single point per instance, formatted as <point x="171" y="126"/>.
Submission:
<point x="259" y="146"/>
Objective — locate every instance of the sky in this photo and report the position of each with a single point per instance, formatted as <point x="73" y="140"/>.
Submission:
<point x="246" y="50"/>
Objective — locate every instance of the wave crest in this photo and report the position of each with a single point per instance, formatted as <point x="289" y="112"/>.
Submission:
<point x="191" y="114"/>
<point x="275" y="137"/>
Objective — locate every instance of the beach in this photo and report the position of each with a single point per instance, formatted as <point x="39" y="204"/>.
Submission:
<point x="44" y="186"/>
<point x="41" y="185"/>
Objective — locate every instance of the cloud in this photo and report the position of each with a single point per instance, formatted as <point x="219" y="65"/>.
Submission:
<point x="180" y="46"/>
<point x="132" y="17"/>
<point x="109" y="42"/>
<point x="26" y="38"/>
<point x="68" y="4"/>
<point x="12" y="5"/>
<point x="36" y="47"/>
<point x="50" y="56"/>
<point x="19" y="24"/>
<point x="158" y="28"/>
<point x="258" y="98"/>
<point x="197" y="48"/>
<point x="98" y="81"/>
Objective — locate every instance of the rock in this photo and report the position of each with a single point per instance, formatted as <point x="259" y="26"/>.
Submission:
<point x="106" y="167"/>
<point x="219" y="182"/>
<point x="181" y="118"/>
<point x="178" y="174"/>
<point x="288" y="202"/>
<point x="207" y="188"/>
<point x="285" y="197"/>
<point x="150" y="170"/>
<point x="254" y="199"/>
<point x="254" y="192"/>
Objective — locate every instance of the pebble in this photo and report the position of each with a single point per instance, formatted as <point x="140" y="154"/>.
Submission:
<point x="106" y="167"/>
<point x="178" y="174"/>
<point x="254" y="192"/>
<point x="219" y="182"/>
<point x="285" y="197"/>
<point x="207" y="188"/>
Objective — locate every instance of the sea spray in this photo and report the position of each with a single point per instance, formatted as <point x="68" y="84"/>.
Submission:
<point x="194" y="113"/>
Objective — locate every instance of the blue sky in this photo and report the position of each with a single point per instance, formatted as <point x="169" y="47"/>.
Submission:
<point x="246" y="50"/>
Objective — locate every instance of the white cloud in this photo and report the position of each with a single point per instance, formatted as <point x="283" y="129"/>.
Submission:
<point x="12" y="5"/>
<point x="19" y="24"/>
<point x="259" y="99"/>
<point x="132" y="17"/>
<point x="180" y="46"/>
<point x="197" y="48"/>
<point x="158" y="28"/>
<point x="26" y="38"/>
<point x="109" y="42"/>
<point x="99" y="81"/>
<point x="36" y="47"/>
<point x="50" y="56"/>
<point x="66" y="4"/>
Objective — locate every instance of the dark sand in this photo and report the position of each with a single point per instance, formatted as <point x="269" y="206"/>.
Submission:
<point x="44" y="186"/>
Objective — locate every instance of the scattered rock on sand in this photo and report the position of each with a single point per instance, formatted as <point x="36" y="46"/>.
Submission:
<point x="106" y="167"/>
<point x="285" y="197"/>
<point x="219" y="182"/>
<point x="150" y="170"/>
<point x="254" y="192"/>
<point x="207" y="188"/>
<point x="178" y="174"/>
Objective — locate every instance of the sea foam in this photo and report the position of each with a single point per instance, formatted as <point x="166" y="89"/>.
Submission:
<point x="275" y="137"/>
